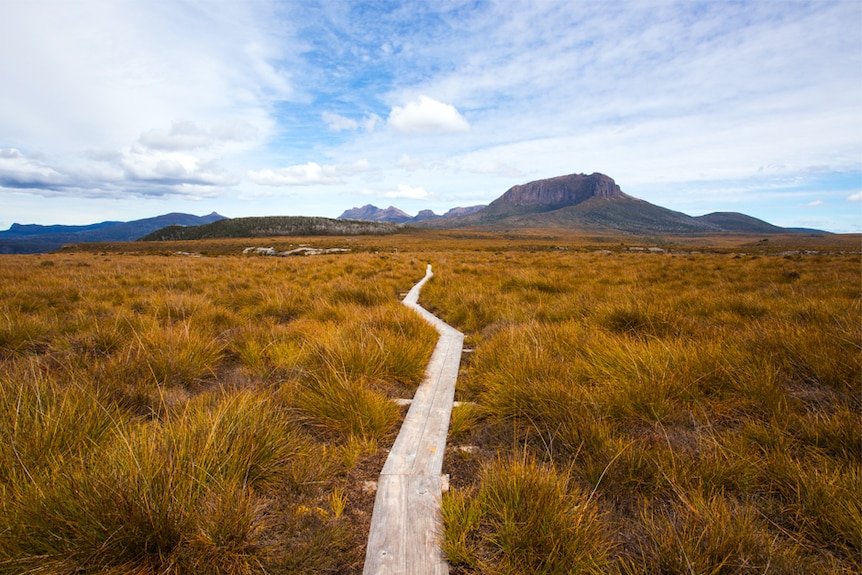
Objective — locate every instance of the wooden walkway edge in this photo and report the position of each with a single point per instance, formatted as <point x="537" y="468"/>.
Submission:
<point x="405" y="523"/>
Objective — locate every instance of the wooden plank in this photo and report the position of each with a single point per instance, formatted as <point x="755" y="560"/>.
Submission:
<point x="405" y="523"/>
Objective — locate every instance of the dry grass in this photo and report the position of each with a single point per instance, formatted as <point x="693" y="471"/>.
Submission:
<point x="190" y="415"/>
<point x="689" y="413"/>
<point x="709" y="403"/>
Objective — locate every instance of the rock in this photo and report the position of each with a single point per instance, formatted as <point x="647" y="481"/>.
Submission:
<point x="562" y="191"/>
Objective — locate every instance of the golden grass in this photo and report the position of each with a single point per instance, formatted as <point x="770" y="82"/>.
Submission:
<point x="709" y="402"/>
<point x="525" y="518"/>
<point x="679" y="413"/>
<point x="191" y="415"/>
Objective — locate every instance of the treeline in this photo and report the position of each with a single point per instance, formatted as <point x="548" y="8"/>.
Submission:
<point x="272" y="226"/>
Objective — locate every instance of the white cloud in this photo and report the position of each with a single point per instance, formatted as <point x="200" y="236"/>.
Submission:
<point x="427" y="116"/>
<point x="307" y="174"/>
<point x="19" y="171"/>
<point x="814" y="204"/>
<point x="408" y="163"/>
<point x="496" y="168"/>
<point x="407" y="192"/>
<point x="181" y="136"/>
<point x="172" y="168"/>
<point x="91" y="75"/>
<point x="144" y="98"/>
<point x="237" y="130"/>
<point x="339" y="123"/>
<point x="187" y="135"/>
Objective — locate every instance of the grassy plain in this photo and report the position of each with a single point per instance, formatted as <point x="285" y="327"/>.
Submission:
<point x="192" y="415"/>
<point x="642" y="412"/>
<point x="628" y="411"/>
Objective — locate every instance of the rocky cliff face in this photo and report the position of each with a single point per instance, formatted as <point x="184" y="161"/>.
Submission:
<point x="561" y="191"/>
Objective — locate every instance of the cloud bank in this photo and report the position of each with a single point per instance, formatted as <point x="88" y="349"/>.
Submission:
<point x="691" y="104"/>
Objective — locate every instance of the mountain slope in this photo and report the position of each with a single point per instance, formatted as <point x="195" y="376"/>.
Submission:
<point x="594" y="203"/>
<point x="736" y="222"/>
<point x="621" y="214"/>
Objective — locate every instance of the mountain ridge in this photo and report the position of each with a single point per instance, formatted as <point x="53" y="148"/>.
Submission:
<point x="372" y="213"/>
<point x="596" y="203"/>
<point x="35" y="238"/>
<point x="268" y="226"/>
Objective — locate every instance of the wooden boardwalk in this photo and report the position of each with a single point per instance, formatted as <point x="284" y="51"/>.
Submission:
<point x="405" y="524"/>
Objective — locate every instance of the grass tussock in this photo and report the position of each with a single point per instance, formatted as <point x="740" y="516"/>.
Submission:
<point x="176" y="415"/>
<point x="630" y="412"/>
<point x="709" y="404"/>
<point x="525" y="517"/>
<point x="346" y="407"/>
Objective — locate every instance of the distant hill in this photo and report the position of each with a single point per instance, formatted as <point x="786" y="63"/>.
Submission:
<point x="30" y="230"/>
<point x="273" y="226"/>
<point x="595" y="203"/>
<point x="33" y="238"/>
<point x="372" y="213"/>
<point x="736" y="222"/>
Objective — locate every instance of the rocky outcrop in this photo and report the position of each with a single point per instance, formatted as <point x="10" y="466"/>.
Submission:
<point x="424" y="215"/>
<point x="561" y="191"/>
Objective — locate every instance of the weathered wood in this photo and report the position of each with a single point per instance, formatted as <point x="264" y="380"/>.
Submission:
<point x="405" y="524"/>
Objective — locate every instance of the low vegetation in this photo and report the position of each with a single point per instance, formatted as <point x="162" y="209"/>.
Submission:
<point x="623" y="412"/>
<point x="190" y="415"/>
<point x="700" y="412"/>
<point x="269" y="226"/>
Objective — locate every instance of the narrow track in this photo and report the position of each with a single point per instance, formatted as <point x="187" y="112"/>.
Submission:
<point x="405" y="523"/>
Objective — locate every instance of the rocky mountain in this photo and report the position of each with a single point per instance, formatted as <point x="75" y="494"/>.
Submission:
<point x="554" y="193"/>
<point x="33" y="238"/>
<point x="370" y="213"/>
<point x="595" y="203"/>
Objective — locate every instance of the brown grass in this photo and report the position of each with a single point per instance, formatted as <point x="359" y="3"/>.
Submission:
<point x="634" y="412"/>
<point x="187" y="415"/>
<point x="709" y="402"/>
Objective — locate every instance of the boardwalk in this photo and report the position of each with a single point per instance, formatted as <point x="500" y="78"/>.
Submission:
<point x="405" y="524"/>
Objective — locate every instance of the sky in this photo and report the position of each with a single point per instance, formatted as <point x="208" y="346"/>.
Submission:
<point x="126" y="109"/>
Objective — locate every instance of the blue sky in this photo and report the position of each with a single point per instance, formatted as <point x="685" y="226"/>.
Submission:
<point x="133" y="108"/>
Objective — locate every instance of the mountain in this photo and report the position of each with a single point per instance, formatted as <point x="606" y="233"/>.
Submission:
<point x="33" y="238"/>
<point x="455" y="212"/>
<point x="370" y="213"/>
<point x="594" y="203"/>
<point x="29" y="230"/>
<point x="555" y="193"/>
<point x="273" y="226"/>
<point x="736" y="222"/>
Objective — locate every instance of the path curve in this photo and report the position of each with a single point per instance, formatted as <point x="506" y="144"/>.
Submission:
<point x="405" y="523"/>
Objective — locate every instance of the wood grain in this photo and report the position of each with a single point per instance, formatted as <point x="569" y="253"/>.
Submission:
<point x="405" y="524"/>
